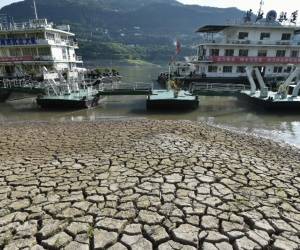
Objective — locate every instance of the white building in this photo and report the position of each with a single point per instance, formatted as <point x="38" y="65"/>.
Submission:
<point x="26" y="48"/>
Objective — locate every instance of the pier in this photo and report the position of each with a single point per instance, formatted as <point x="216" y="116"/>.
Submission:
<point x="125" y="89"/>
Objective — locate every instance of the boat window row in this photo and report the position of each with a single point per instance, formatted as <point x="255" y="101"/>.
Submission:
<point x="36" y="35"/>
<point x="245" y="53"/>
<point x="56" y="36"/>
<point x="53" y="36"/>
<point x="16" y="52"/>
<point x="280" y="69"/>
<point x="265" y="36"/>
<point x="242" y="69"/>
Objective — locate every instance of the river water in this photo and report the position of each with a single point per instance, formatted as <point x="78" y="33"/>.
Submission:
<point x="222" y="112"/>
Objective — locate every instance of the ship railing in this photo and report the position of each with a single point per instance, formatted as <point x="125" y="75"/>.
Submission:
<point x="117" y="86"/>
<point x="25" y="26"/>
<point x="217" y="87"/>
<point x="21" y="83"/>
<point x="54" y="88"/>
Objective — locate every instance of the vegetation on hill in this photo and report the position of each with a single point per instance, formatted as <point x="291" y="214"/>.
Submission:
<point x="130" y="29"/>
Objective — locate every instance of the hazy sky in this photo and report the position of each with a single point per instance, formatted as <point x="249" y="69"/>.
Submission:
<point x="279" y="5"/>
<point x="5" y="2"/>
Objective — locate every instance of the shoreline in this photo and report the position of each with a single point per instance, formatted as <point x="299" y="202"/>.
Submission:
<point x="236" y="130"/>
<point x="145" y="184"/>
<point x="231" y="129"/>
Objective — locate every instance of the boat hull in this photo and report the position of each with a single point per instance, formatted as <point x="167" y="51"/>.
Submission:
<point x="59" y="104"/>
<point x="261" y="104"/>
<point x="172" y="105"/>
<point x="168" y="99"/>
<point x="4" y="95"/>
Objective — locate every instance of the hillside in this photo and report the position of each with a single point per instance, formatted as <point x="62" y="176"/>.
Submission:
<point x="145" y="29"/>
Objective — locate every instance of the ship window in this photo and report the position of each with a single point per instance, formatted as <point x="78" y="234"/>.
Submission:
<point x="229" y="52"/>
<point x="243" y="35"/>
<point x="265" y="36"/>
<point x="4" y="52"/>
<point x="286" y="36"/>
<point x="44" y="51"/>
<point x="64" y="53"/>
<point x="294" y="53"/>
<point x="26" y="51"/>
<point x="243" y="52"/>
<point x="50" y="36"/>
<point x="227" y="69"/>
<point x="241" y="69"/>
<point x="40" y="35"/>
<point x="29" y="52"/>
<point x="278" y="69"/>
<point x="57" y="37"/>
<point x="15" y="52"/>
<point x="13" y="36"/>
<point x="64" y="38"/>
<point x="262" y="53"/>
<point x="288" y="69"/>
<point x="212" y="68"/>
<point x="280" y="53"/>
<point x="214" y="52"/>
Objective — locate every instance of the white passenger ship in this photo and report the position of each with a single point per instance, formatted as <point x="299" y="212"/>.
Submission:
<point x="272" y="44"/>
<point x="26" y="49"/>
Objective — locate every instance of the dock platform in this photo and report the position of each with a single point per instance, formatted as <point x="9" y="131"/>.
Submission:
<point x="217" y="89"/>
<point x="125" y="89"/>
<point x="170" y="99"/>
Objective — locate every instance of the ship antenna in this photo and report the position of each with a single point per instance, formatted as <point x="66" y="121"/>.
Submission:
<point x="261" y="5"/>
<point x="260" y="14"/>
<point x="35" y="10"/>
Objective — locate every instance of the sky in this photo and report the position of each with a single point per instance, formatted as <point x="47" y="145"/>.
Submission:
<point x="279" y="5"/>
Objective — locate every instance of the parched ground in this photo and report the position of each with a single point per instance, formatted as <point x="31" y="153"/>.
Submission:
<point x="145" y="185"/>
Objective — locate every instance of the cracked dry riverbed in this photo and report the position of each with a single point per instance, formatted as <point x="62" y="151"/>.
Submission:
<point x="145" y="185"/>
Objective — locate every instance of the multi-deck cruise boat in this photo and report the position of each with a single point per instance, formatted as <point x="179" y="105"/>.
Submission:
<point x="225" y="51"/>
<point x="26" y="48"/>
<point x="29" y="49"/>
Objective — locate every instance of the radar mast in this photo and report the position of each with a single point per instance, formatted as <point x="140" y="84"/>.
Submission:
<point x="260" y="14"/>
<point x="35" y="10"/>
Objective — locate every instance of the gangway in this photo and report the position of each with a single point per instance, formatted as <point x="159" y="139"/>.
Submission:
<point x="216" y="89"/>
<point x="125" y="89"/>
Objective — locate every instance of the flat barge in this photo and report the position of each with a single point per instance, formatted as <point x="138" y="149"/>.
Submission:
<point x="76" y="100"/>
<point x="172" y="99"/>
<point x="281" y="100"/>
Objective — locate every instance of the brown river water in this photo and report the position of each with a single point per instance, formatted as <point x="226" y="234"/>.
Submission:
<point x="223" y="112"/>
